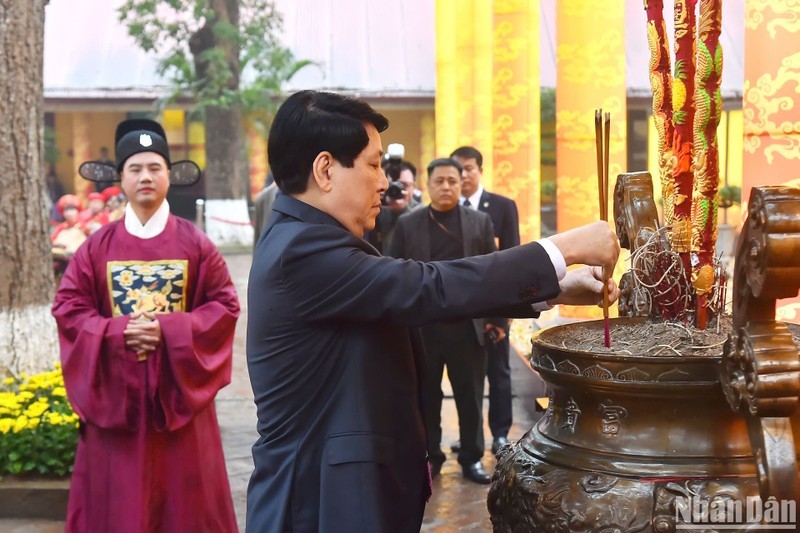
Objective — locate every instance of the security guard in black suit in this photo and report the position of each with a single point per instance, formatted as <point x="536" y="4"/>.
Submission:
<point x="505" y="223"/>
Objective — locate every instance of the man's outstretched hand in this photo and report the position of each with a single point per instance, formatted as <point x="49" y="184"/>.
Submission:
<point x="584" y="286"/>
<point x="593" y="244"/>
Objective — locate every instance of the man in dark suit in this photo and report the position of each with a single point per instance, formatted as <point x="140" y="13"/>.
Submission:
<point x="445" y="230"/>
<point x="335" y="369"/>
<point x="505" y="222"/>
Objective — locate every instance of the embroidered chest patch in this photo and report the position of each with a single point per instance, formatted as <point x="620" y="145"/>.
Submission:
<point x="149" y="286"/>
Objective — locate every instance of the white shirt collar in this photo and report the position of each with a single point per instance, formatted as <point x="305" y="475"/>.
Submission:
<point x="153" y="227"/>
<point x="475" y="199"/>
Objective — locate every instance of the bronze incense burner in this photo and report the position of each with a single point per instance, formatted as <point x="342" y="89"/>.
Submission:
<point x="629" y="441"/>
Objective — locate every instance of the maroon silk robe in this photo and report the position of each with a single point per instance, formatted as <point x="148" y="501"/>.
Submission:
<point x="149" y="456"/>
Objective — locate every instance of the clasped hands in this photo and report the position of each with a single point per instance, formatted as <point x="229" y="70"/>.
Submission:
<point x="597" y="247"/>
<point x="142" y="334"/>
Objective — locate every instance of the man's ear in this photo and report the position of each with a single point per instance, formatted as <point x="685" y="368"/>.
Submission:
<point x="320" y="171"/>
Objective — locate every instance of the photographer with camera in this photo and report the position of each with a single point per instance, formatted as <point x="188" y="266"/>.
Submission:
<point x="398" y="198"/>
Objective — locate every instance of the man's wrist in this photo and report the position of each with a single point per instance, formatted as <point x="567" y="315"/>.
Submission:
<point x="556" y="257"/>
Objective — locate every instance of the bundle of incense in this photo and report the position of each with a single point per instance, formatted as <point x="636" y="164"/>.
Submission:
<point x="602" y="131"/>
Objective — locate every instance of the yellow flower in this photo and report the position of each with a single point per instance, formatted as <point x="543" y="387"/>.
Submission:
<point x="9" y="400"/>
<point x="55" y="418"/>
<point x="25" y="395"/>
<point x="20" y="424"/>
<point x="5" y="425"/>
<point x="36" y="409"/>
<point x="8" y="381"/>
<point x="59" y="391"/>
<point x="33" y="422"/>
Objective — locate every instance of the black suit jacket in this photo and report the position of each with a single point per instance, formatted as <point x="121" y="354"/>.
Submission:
<point x="505" y="218"/>
<point x="337" y="375"/>
<point x="412" y="240"/>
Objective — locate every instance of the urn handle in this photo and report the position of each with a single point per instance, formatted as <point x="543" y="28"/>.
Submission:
<point x="635" y="221"/>
<point x="635" y="214"/>
<point x="760" y="372"/>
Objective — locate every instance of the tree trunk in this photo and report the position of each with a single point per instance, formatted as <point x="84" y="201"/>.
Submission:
<point x="225" y="172"/>
<point x="28" y="340"/>
<point x="224" y="168"/>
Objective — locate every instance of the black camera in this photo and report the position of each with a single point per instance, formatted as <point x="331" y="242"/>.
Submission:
<point x="392" y="166"/>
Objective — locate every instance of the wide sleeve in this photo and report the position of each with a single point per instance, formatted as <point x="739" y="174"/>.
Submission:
<point x="329" y="277"/>
<point x="195" y="358"/>
<point x="100" y="373"/>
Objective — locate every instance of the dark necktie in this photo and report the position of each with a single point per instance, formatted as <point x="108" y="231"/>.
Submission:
<point x="466" y="203"/>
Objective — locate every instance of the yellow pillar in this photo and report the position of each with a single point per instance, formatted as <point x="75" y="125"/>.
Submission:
<point x="517" y="111"/>
<point x="591" y="75"/>
<point x="464" y="78"/>
<point x="174" y="122"/>
<point x="82" y="151"/>
<point x="197" y="143"/>
<point x="257" y="159"/>
<point x="771" y="115"/>
<point x="427" y="150"/>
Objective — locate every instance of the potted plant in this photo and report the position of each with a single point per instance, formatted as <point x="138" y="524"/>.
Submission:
<point x="38" y="438"/>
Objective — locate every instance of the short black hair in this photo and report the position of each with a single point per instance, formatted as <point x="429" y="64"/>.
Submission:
<point x="406" y="165"/>
<point x="468" y="152"/>
<point x="443" y="162"/>
<point x="310" y="122"/>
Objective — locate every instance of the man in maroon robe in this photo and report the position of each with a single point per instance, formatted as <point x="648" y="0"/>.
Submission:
<point x="146" y="313"/>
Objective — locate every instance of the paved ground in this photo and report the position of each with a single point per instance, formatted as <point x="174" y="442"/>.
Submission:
<point x="456" y="505"/>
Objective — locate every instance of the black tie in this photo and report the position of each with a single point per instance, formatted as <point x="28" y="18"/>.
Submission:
<point x="467" y="204"/>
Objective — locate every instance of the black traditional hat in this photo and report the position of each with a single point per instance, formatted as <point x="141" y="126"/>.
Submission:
<point x="134" y="136"/>
<point x="137" y="135"/>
